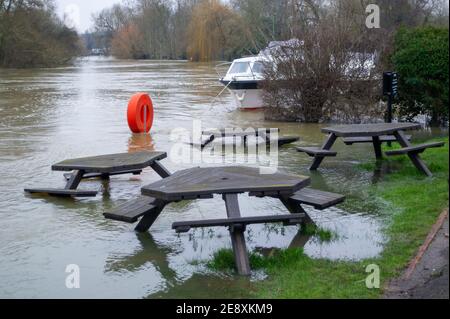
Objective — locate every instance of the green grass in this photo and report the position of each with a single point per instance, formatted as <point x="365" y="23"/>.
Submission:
<point x="224" y="260"/>
<point x="414" y="203"/>
<point x="324" y="235"/>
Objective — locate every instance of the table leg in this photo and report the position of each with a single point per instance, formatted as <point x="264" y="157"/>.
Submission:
<point x="300" y="240"/>
<point x="414" y="157"/>
<point x="149" y="219"/>
<point x="160" y="169"/>
<point x="326" y="146"/>
<point x="237" y="236"/>
<point x="74" y="180"/>
<point x="295" y="208"/>
<point x="377" y="147"/>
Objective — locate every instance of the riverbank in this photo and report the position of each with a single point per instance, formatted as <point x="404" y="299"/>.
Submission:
<point x="413" y="203"/>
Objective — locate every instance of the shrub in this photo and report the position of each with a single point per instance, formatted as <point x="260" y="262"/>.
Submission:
<point x="421" y="58"/>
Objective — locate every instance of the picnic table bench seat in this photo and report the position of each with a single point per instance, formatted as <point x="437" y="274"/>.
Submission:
<point x="316" y="152"/>
<point x="368" y="139"/>
<point x="62" y="192"/>
<point x="284" y="140"/>
<point x="132" y="210"/>
<point x="238" y="223"/>
<point x="415" y="149"/>
<point x="67" y="176"/>
<point x="318" y="199"/>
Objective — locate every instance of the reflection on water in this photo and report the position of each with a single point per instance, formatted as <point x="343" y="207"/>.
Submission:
<point x="140" y="142"/>
<point x="49" y="115"/>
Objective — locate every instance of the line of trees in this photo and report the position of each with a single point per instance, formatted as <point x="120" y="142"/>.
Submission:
<point x="204" y="30"/>
<point x="335" y="74"/>
<point x="31" y="35"/>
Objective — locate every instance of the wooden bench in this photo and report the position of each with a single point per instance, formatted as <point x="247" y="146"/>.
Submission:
<point x="312" y="197"/>
<point x="415" y="149"/>
<point x="316" y="152"/>
<point x="62" y="192"/>
<point x="238" y="223"/>
<point x="283" y="140"/>
<point x="318" y="199"/>
<point x="131" y="211"/>
<point x="67" y="176"/>
<point x="368" y="139"/>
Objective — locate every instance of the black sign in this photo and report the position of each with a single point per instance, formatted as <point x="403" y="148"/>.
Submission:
<point x="390" y="83"/>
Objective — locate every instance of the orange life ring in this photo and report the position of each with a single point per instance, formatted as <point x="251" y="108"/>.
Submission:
<point x="140" y="110"/>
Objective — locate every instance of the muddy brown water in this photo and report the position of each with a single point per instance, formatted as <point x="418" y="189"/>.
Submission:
<point x="49" y="115"/>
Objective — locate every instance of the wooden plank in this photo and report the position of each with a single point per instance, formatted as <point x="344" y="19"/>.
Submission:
<point x="100" y="175"/>
<point x="237" y="236"/>
<point x="182" y="227"/>
<point x="368" y="139"/>
<point x="294" y="208"/>
<point x="62" y="192"/>
<point x="74" y="180"/>
<point x="414" y="157"/>
<point x="111" y="163"/>
<point x="326" y="146"/>
<point x="238" y="132"/>
<point x="377" y="147"/>
<point x="160" y="169"/>
<point x="205" y="142"/>
<point x="283" y="140"/>
<point x="315" y="151"/>
<point x="318" y="199"/>
<point x="359" y="130"/>
<point x="131" y="211"/>
<point x="149" y="218"/>
<point x="414" y="149"/>
<point x="196" y="182"/>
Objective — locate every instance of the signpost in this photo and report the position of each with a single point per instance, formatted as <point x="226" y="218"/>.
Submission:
<point x="390" y="89"/>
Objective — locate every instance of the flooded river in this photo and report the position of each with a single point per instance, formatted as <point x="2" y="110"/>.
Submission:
<point x="49" y="115"/>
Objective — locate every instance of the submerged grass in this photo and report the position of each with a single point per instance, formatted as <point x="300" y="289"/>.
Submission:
<point x="324" y="235"/>
<point x="224" y="259"/>
<point x="415" y="202"/>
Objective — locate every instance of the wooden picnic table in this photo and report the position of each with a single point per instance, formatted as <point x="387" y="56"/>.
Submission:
<point x="102" y="167"/>
<point x="375" y="134"/>
<point x="212" y="135"/>
<point x="204" y="183"/>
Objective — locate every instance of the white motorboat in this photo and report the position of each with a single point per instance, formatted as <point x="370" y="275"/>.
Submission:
<point x="243" y="81"/>
<point x="244" y="77"/>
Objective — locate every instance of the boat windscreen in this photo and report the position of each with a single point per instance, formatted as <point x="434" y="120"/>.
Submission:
<point x="258" y="67"/>
<point x="239" y="67"/>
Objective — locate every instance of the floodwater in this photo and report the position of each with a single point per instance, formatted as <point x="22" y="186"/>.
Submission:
<point x="49" y="115"/>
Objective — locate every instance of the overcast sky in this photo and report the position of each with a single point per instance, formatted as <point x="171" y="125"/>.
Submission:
<point x="82" y="10"/>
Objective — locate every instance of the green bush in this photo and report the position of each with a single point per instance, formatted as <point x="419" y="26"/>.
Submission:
<point x="421" y="58"/>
